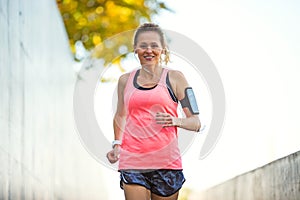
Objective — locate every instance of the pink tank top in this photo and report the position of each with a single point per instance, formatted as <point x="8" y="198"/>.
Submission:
<point x="145" y="144"/>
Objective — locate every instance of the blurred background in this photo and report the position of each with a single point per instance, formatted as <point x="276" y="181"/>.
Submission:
<point x="253" y="44"/>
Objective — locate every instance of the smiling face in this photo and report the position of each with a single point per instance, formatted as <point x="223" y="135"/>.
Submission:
<point x="149" y="47"/>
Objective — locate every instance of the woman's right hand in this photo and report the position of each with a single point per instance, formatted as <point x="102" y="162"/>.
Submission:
<point x="114" y="154"/>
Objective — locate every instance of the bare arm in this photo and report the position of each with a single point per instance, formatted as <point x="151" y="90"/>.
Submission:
<point x="119" y="119"/>
<point x="191" y="121"/>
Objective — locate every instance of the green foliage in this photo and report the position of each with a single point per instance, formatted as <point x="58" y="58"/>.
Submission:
<point x="93" y="21"/>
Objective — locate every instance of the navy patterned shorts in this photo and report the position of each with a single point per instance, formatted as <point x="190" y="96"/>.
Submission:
<point x="163" y="182"/>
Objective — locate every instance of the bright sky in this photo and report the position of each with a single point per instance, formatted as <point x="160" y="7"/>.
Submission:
<point x="255" y="47"/>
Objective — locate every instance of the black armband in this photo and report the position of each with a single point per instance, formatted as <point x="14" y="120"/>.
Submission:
<point x="189" y="101"/>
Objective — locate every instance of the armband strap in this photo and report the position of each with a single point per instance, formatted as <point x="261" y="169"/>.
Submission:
<point x="116" y="142"/>
<point x="189" y="101"/>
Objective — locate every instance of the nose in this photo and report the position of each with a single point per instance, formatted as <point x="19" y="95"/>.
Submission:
<point x="149" y="49"/>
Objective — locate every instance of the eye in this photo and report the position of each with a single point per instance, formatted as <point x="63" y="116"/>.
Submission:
<point x="154" y="46"/>
<point x="143" y="46"/>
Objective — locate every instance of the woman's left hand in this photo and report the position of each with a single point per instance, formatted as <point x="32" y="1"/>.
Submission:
<point x="166" y="120"/>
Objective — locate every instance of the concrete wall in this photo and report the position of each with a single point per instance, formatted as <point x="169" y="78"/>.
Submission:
<point x="279" y="180"/>
<point x="41" y="156"/>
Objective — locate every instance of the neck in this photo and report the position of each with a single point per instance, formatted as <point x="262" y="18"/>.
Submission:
<point x="152" y="71"/>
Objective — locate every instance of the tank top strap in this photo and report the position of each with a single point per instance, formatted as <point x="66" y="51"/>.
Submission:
<point x="129" y="85"/>
<point x="132" y="74"/>
<point x="163" y="77"/>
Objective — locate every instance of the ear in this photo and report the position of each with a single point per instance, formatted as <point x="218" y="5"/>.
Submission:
<point x="134" y="49"/>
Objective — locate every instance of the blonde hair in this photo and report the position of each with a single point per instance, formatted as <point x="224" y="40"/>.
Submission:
<point x="155" y="28"/>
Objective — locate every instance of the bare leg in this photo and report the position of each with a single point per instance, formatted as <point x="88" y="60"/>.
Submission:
<point x="136" y="192"/>
<point x="172" y="197"/>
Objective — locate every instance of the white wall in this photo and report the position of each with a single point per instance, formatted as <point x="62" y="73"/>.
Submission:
<point x="40" y="152"/>
<point x="277" y="180"/>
